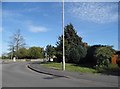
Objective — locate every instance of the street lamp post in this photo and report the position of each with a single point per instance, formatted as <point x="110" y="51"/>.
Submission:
<point x="63" y="64"/>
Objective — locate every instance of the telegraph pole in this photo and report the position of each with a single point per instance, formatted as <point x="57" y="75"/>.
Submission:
<point x="63" y="64"/>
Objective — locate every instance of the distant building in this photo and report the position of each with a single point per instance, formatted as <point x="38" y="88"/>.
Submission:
<point x="115" y="57"/>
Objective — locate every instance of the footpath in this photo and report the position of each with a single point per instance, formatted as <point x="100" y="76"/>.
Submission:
<point x="35" y="66"/>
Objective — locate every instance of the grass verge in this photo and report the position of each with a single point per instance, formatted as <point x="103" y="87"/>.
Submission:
<point x="110" y="70"/>
<point x="70" y="67"/>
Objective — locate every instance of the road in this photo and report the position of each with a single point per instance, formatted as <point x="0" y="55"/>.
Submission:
<point x="18" y="75"/>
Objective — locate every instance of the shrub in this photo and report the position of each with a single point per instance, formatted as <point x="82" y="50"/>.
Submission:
<point x="118" y="62"/>
<point x="102" y="56"/>
<point x="77" y="54"/>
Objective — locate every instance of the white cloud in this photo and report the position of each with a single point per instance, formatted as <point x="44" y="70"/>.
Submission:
<point x="37" y="29"/>
<point x="94" y="11"/>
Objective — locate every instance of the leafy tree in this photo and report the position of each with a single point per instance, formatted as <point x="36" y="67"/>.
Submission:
<point x="71" y="35"/>
<point x="59" y="49"/>
<point x="23" y="53"/>
<point x="4" y="56"/>
<point x="76" y="54"/>
<point x="103" y="56"/>
<point x="91" y="52"/>
<point x="35" y="52"/>
<point x="73" y="43"/>
<point x="50" y="50"/>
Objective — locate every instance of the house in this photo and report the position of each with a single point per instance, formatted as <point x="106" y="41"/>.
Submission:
<point x="115" y="57"/>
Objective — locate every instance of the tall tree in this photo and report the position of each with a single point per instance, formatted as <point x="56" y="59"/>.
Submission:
<point x="12" y="47"/>
<point x="71" y="35"/>
<point x="17" y="42"/>
<point x="50" y="50"/>
<point x="73" y="44"/>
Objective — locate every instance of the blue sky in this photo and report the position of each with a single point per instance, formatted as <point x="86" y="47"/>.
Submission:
<point x="41" y="23"/>
<point x="96" y="23"/>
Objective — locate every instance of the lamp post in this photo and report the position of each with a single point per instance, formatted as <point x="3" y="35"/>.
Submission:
<point x="63" y="64"/>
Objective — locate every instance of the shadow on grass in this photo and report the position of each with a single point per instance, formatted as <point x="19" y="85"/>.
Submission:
<point x="110" y="70"/>
<point x="84" y="65"/>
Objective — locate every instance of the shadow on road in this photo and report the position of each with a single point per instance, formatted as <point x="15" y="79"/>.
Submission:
<point x="53" y="77"/>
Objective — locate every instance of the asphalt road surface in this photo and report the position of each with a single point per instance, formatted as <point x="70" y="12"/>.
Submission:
<point x="18" y="75"/>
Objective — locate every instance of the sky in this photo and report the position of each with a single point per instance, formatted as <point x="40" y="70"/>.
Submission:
<point x="41" y="22"/>
<point x="0" y="29"/>
<point x="95" y="22"/>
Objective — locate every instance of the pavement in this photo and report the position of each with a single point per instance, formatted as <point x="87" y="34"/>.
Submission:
<point x="87" y="76"/>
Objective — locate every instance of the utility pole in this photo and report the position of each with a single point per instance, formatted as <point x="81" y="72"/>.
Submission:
<point x="63" y="64"/>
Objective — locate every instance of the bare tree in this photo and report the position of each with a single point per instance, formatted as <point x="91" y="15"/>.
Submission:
<point x="17" y="42"/>
<point x="12" y="48"/>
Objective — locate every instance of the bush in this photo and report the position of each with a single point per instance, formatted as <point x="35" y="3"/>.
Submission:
<point x="22" y="53"/>
<point x="99" y="55"/>
<point x="118" y="62"/>
<point x="59" y="56"/>
<point x="76" y="54"/>
<point x="102" y="56"/>
<point x="35" y="52"/>
<point x="112" y="69"/>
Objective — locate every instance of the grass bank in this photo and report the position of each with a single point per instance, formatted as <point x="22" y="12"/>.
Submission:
<point x="69" y="67"/>
<point x="110" y="70"/>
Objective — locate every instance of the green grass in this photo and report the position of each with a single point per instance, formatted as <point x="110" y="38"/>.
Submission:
<point x="110" y="70"/>
<point x="70" y="67"/>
